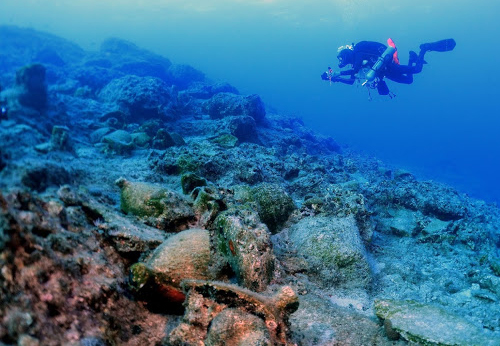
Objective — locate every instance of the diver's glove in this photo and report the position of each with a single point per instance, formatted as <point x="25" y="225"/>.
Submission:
<point x="330" y="75"/>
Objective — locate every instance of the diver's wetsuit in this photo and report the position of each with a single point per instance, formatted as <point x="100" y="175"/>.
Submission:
<point x="370" y="51"/>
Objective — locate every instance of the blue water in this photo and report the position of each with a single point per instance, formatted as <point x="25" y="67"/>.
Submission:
<point x="442" y="127"/>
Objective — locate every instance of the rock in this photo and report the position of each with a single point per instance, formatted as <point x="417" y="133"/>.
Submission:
<point x="333" y="249"/>
<point x="41" y="176"/>
<point x="27" y="340"/>
<point x="342" y="200"/>
<point x="142" y="97"/>
<point x="243" y="128"/>
<point x="436" y="231"/>
<point x="239" y="239"/>
<point x="37" y="47"/>
<point x="236" y="327"/>
<point x="403" y="223"/>
<point x="157" y="206"/>
<point x="184" y="75"/>
<point x="227" y="104"/>
<point x="97" y="135"/>
<point x="274" y="205"/>
<point x="127" y="236"/>
<point x="58" y="141"/>
<point x="177" y="138"/>
<point x="206" y="91"/>
<point x="127" y="58"/>
<point x="199" y="313"/>
<point x="141" y="139"/>
<point x="320" y="323"/>
<point x="116" y="119"/>
<point x="429" y="325"/>
<point x="162" y="140"/>
<point x="226" y="140"/>
<point x="185" y="255"/>
<point x="207" y="204"/>
<point x="32" y="88"/>
<point x="273" y="310"/>
<point x="119" y="142"/>
<point x="189" y="181"/>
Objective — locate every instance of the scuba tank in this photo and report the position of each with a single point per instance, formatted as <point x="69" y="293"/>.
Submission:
<point x="370" y="75"/>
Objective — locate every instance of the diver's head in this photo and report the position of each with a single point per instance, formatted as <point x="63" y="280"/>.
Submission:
<point x="345" y="54"/>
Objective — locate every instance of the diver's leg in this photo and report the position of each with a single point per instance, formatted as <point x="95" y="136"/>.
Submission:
<point x="400" y="74"/>
<point x="413" y="58"/>
<point x="439" y="46"/>
<point x="402" y="78"/>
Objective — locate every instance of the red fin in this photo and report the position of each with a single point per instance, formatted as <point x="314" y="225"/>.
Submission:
<point x="395" y="57"/>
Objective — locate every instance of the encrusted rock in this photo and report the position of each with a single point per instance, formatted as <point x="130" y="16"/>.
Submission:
<point x="189" y="181"/>
<point x="239" y="239"/>
<point x="32" y="88"/>
<point x="41" y="176"/>
<point x="236" y="327"/>
<point x="227" y="104"/>
<point x="333" y="249"/>
<point x="59" y="140"/>
<point x="402" y="222"/>
<point x="143" y="97"/>
<point x="274" y="205"/>
<point x="429" y="325"/>
<point x="156" y="205"/>
<point x="119" y="142"/>
<point x="243" y="128"/>
<point x="211" y="305"/>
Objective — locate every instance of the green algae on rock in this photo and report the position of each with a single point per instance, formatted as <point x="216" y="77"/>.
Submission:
<point x="239" y="239"/>
<point x="226" y="140"/>
<point x="158" y="206"/>
<point x="274" y="205"/>
<point x="429" y="325"/>
<point x="119" y="142"/>
<point x="189" y="181"/>
<point x="333" y="249"/>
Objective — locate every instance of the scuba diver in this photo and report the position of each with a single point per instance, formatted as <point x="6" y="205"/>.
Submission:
<point x="372" y="61"/>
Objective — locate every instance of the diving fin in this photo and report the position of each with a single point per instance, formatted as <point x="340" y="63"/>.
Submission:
<point x="439" y="46"/>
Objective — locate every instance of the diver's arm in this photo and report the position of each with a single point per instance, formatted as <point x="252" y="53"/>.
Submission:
<point x="350" y="72"/>
<point x="349" y="81"/>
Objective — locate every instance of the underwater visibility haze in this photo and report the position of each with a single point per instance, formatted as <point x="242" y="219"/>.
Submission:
<point x="442" y="127"/>
<point x="178" y="173"/>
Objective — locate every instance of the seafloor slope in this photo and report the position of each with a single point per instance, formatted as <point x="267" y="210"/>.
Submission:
<point x="142" y="204"/>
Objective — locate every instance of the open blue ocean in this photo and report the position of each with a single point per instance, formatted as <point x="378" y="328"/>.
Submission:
<point x="443" y="127"/>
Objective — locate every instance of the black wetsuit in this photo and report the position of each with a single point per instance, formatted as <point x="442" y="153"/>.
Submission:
<point x="369" y="52"/>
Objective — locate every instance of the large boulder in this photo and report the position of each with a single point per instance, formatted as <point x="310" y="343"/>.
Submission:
<point x="274" y="205"/>
<point x="424" y="324"/>
<point x="227" y="104"/>
<point x="127" y="58"/>
<point x="36" y="47"/>
<point x="142" y="97"/>
<point x="334" y="251"/>
<point x="30" y="81"/>
<point x="184" y="75"/>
